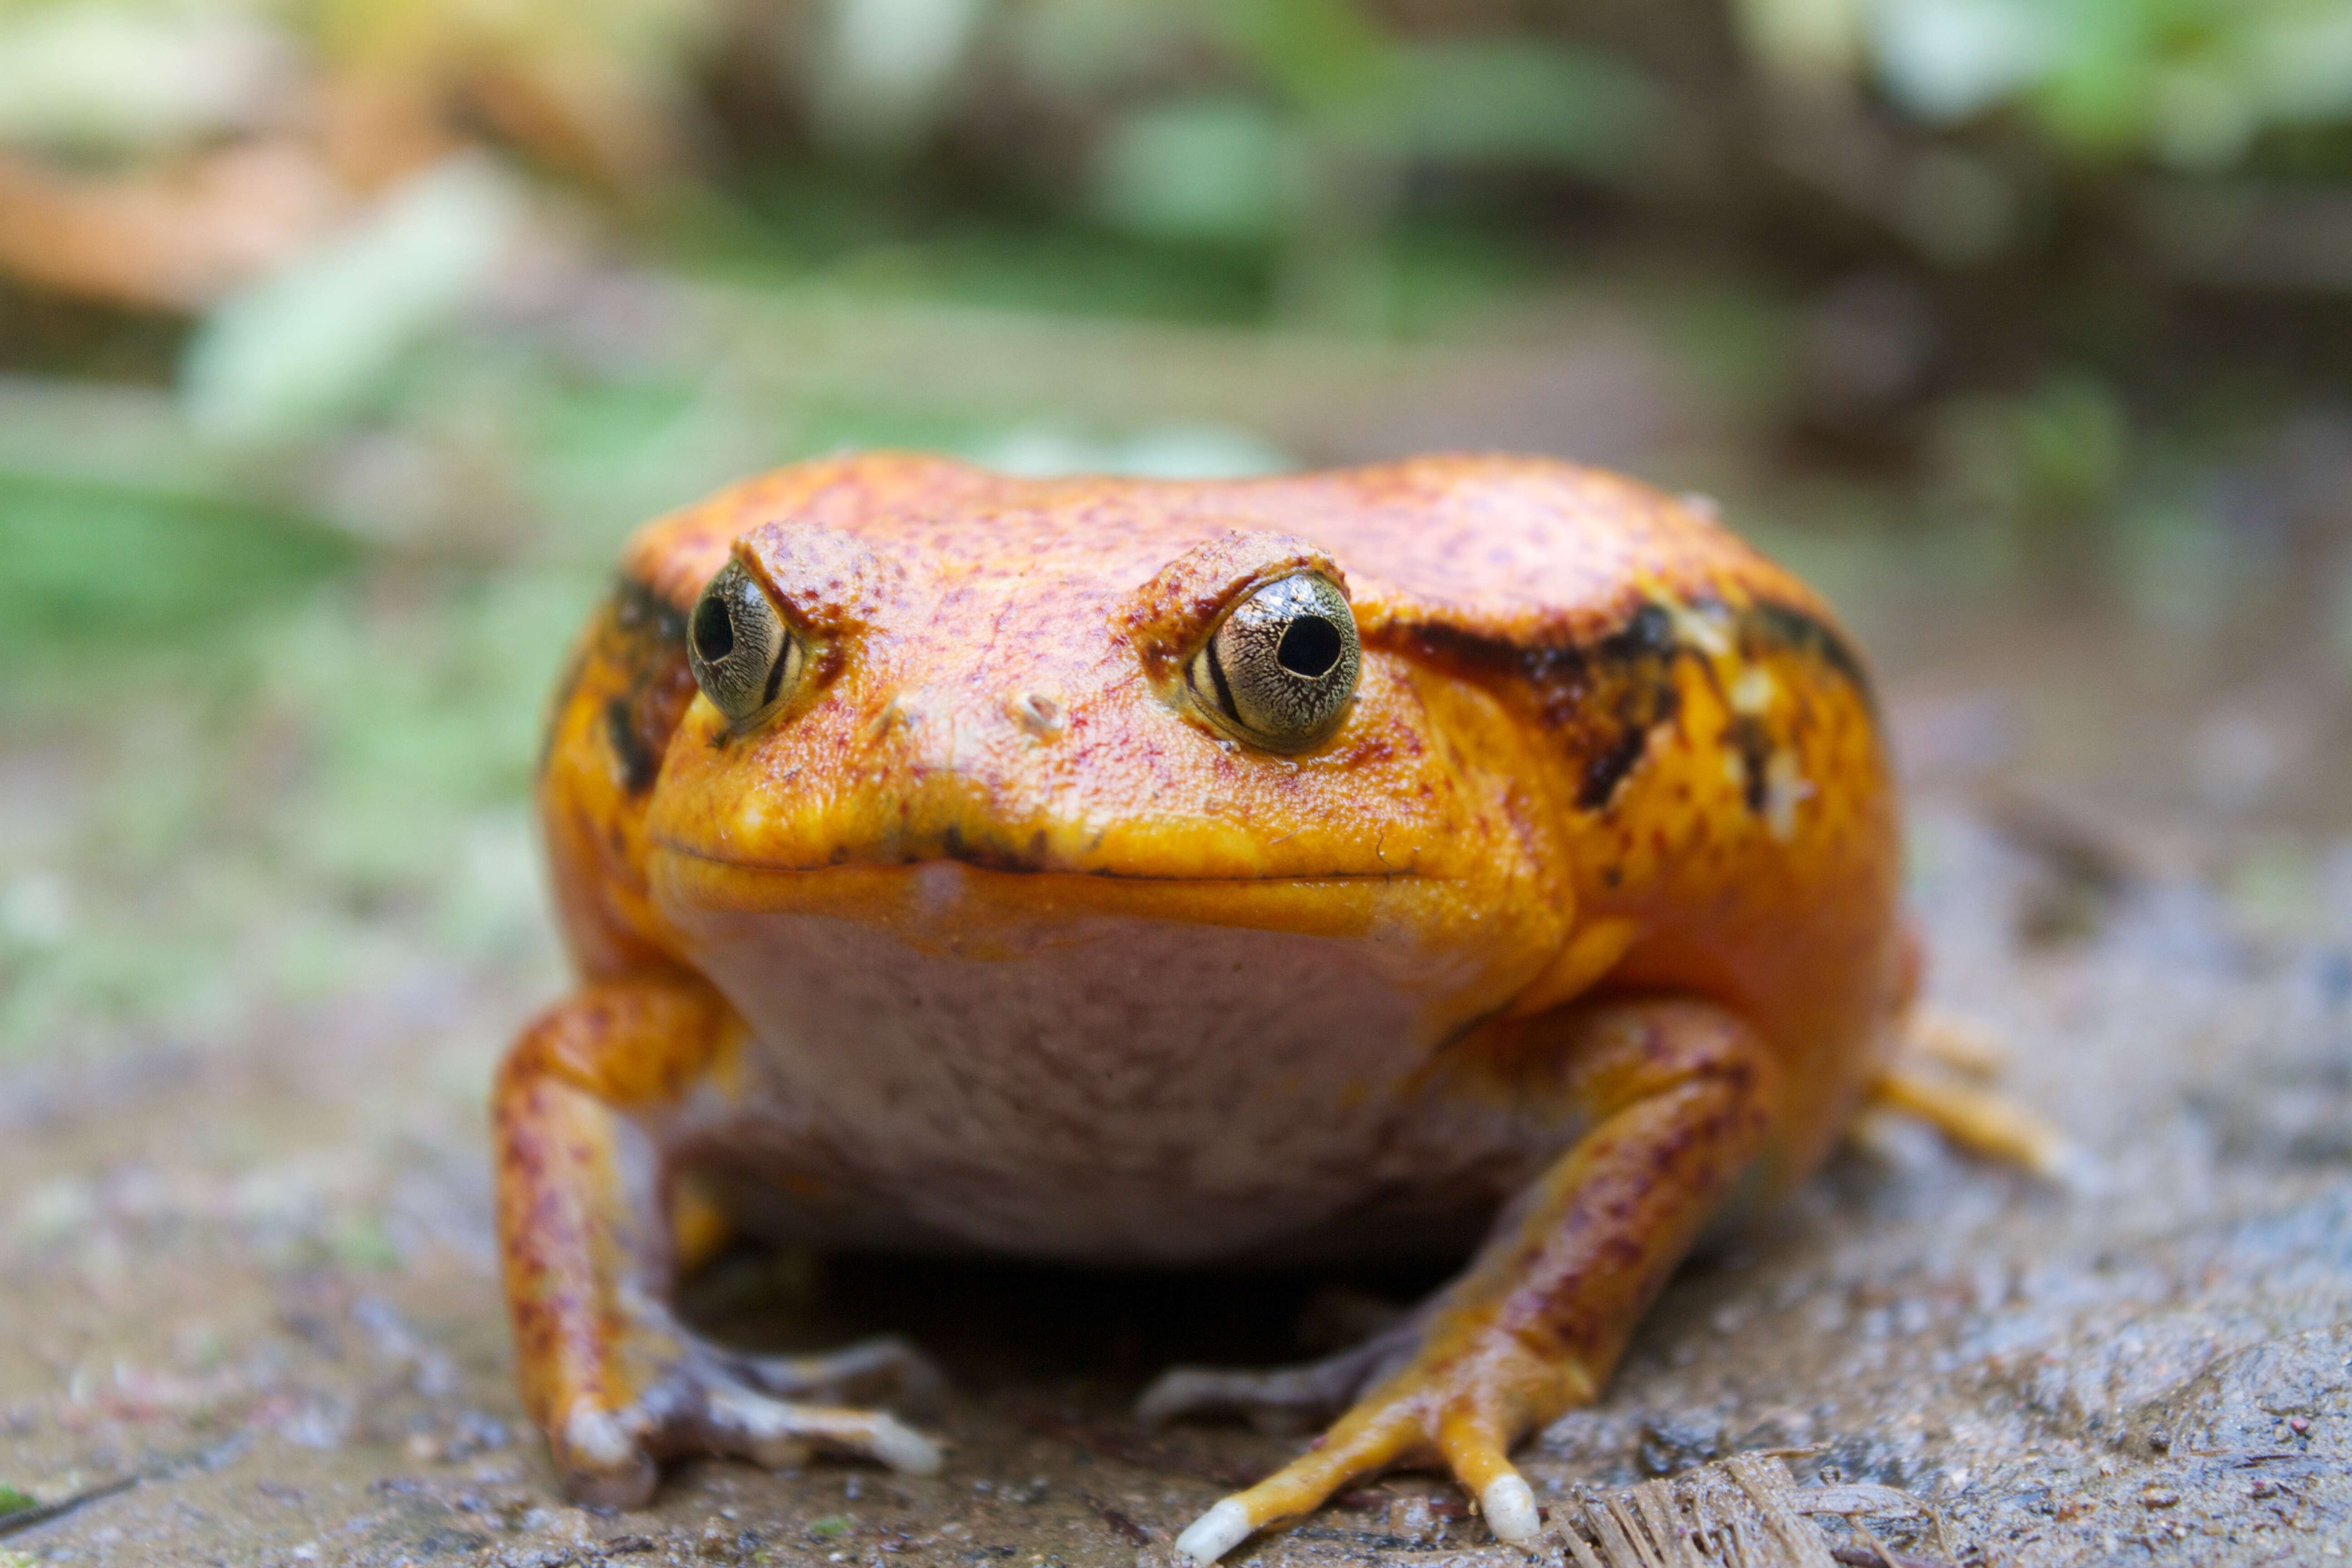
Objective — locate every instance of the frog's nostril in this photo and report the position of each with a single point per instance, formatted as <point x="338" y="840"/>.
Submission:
<point x="1037" y="713"/>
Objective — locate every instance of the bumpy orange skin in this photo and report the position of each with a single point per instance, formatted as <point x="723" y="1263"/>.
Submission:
<point x="1602" y="753"/>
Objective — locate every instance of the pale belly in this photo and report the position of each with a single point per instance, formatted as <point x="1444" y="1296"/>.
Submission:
<point x="1101" y="1088"/>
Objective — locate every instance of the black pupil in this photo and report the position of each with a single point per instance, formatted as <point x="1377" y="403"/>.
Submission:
<point x="714" y="630"/>
<point x="1310" y="646"/>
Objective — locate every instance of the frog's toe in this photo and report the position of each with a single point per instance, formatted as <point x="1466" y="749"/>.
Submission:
<point x="1352" y="1448"/>
<point x="607" y="1458"/>
<point x="883" y="1367"/>
<point x="601" y="1460"/>
<point x="778" y="1433"/>
<point x="1505" y="1499"/>
<point x="1279" y="1398"/>
<point x="1450" y="1416"/>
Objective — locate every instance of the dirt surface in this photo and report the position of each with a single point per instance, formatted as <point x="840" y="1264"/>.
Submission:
<point x="256" y="1274"/>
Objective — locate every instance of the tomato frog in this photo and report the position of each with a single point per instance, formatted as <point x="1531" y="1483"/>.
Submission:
<point x="1150" y="873"/>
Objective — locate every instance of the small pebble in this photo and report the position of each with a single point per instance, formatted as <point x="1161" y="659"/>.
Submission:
<point x="2158" y="1497"/>
<point x="1412" y="1519"/>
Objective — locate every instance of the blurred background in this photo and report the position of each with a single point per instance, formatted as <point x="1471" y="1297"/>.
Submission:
<point x="342" y="340"/>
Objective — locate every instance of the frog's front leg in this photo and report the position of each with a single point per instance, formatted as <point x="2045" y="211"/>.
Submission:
<point x="584" y="1224"/>
<point x="1680" y="1097"/>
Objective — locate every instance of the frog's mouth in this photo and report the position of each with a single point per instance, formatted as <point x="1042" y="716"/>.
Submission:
<point x="761" y="839"/>
<point x="970" y="901"/>
<point x="957" y="852"/>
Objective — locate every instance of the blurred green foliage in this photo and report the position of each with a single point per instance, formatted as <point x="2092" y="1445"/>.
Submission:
<point x="91" y="573"/>
<point x="2192" y="84"/>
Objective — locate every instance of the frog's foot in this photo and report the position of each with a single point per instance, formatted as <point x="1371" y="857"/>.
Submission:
<point x="1679" y="1098"/>
<point x="590" y="1247"/>
<point x="1457" y="1411"/>
<point x="710" y="1401"/>
<point x="1953" y="1041"/>
<point x="1983" y="1125"/>
<point x="1279" y="1399"/>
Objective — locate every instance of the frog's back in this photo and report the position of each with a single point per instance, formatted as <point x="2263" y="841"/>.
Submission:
<point x="1530" y="551"/>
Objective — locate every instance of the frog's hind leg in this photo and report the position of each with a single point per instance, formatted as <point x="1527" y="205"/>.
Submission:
<point x="1977" y="1120"/>
<point x="1950" y="1040"/>
<point x="585" y="1231"/>
<point x="1928" y="1078"/>
<point x="1680" y="1096"/>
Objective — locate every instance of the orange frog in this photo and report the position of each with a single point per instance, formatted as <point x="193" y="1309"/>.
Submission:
<point x="1144" y="873"/>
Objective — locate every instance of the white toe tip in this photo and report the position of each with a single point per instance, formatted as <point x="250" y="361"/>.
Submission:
<point x="905" y="1449"/>
<point x="598" y="1437"/>
<point x="1216" y="1533"/>
<point x="1510" y="1510"/>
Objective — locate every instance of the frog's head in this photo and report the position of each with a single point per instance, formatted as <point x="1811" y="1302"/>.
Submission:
<point x="1095" y="696"/>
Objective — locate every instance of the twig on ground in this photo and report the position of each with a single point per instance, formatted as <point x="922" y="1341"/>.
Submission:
<point x="26" y="1518"/>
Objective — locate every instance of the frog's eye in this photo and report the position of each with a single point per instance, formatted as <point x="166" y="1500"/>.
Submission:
<point x="743" y="656"/>
<point x="1281" y="666"/>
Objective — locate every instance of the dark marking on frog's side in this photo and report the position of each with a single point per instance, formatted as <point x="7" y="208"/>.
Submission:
<point x="1753" y="743"/>
<point x="646" y="637"/>
<point x="1785" y="627"/>
<point x="638" y="765"/>
<point x="1650" y="631"/>
<point x="1635" y="668"/>
<point x="1602" y="698"/>
<point x="637" y="606"/>
<point x="1606" y="770"/>
<point x="1608" y="697"/>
